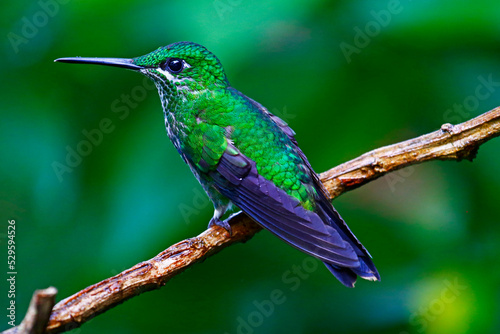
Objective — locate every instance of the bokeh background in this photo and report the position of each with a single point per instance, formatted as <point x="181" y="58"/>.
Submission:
<point x="348" y="76"/>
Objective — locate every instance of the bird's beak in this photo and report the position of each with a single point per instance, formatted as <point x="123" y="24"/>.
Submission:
<point x="118" y="62"/>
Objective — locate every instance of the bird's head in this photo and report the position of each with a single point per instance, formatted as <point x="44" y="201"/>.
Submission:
<point x="175" y="69"/>
<point x="185" y="64"/>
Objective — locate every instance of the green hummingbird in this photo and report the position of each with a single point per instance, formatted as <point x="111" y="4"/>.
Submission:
<point x="243" y="155"/>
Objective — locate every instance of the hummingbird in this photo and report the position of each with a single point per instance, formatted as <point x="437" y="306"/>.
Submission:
<point x="243" y="155"/>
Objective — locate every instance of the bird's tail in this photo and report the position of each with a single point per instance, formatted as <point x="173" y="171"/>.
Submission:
<point x="348" y="275"/>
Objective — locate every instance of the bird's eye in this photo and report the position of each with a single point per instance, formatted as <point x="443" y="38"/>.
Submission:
<point x="173" y="65"/>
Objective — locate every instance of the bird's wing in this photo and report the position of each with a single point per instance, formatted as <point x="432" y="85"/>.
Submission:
<point x="322" y="234"/>
<point x="329" y="215"/>
<point x="237" y="178"/>
<point x="323" y="198"/>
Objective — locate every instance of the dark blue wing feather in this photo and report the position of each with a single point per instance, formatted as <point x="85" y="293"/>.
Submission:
<point x="322" y="234"/>
<point x="279" y="212"/>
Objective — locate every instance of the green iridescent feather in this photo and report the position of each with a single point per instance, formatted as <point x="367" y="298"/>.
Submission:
<point x="243" y="154"/>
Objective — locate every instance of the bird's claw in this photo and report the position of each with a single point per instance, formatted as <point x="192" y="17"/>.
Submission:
<point x="222" y="223"/>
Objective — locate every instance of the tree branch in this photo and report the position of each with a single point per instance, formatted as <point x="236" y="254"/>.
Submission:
<point x="451" y="142"/>
<point x="38" y="314"/>
<point x="457" y="142"/>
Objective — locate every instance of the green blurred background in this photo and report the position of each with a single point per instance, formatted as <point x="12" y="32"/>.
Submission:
<point x="348" y="76"/>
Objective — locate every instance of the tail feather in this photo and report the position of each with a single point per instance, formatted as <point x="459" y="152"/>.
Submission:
<point x="348" y="276"/>
<point x="366" y="270"/>
<point x="345" y="275"/>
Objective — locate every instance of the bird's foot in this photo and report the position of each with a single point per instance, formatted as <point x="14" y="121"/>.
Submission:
<point x="222" y="223"/>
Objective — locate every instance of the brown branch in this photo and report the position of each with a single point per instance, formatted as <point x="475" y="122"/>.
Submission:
<point x="38" y="314"/>
<point x="449" y="143"/>
<point x="149" y="275"/>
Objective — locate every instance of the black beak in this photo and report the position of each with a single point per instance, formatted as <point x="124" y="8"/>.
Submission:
<point x="118" y="62"/>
